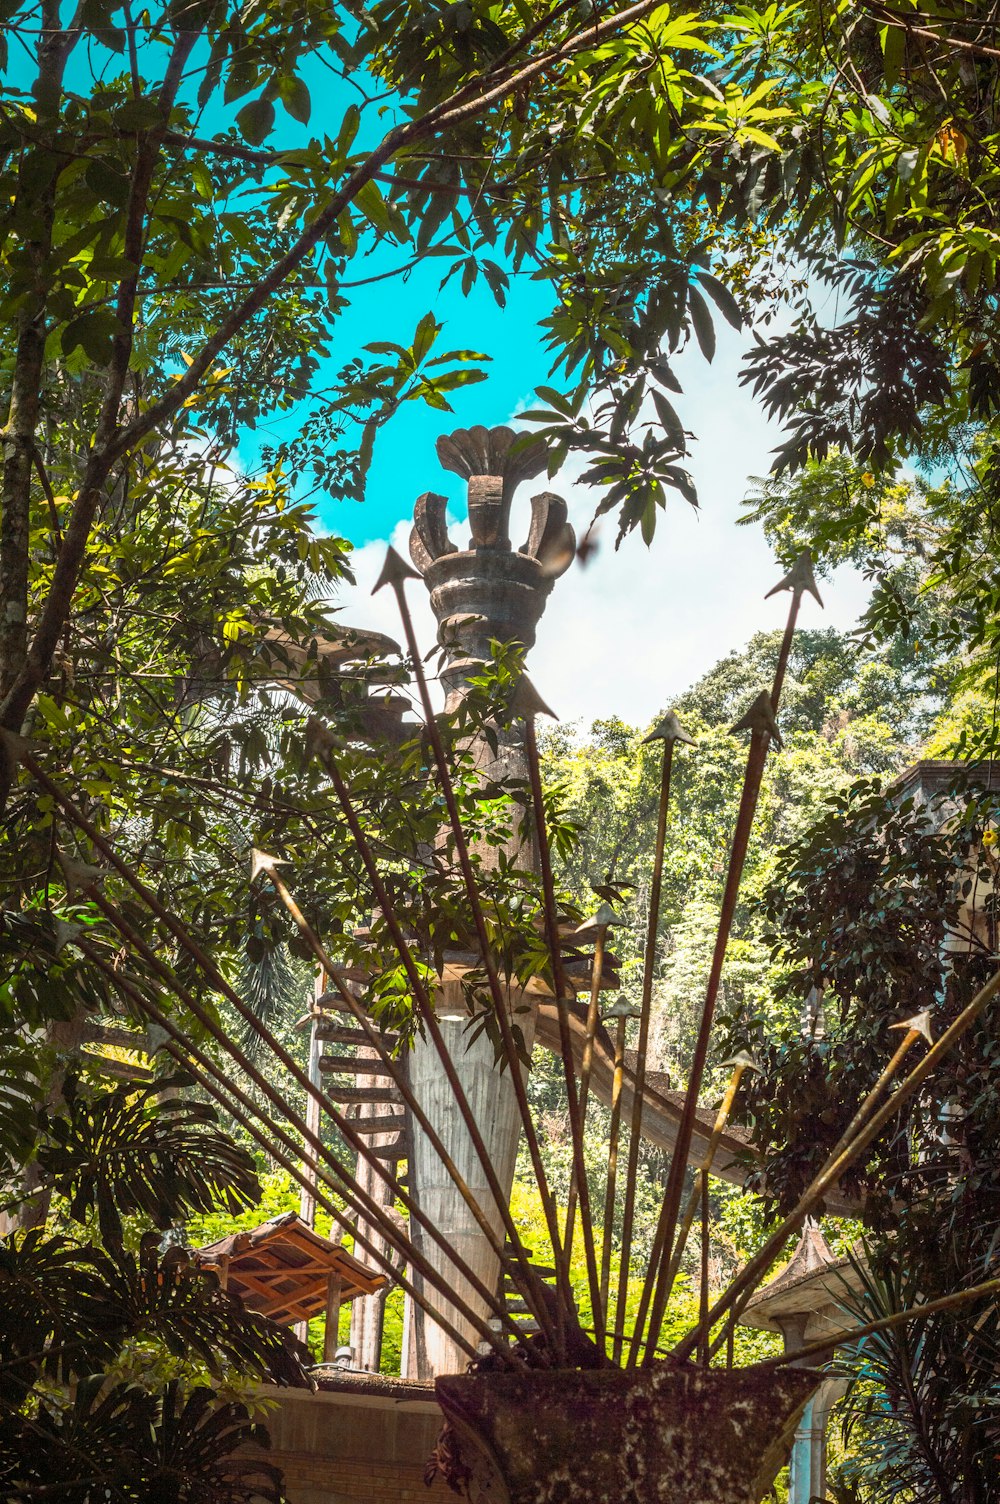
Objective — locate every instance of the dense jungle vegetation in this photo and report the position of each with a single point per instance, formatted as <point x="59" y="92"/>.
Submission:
<point x="192" y="198"/>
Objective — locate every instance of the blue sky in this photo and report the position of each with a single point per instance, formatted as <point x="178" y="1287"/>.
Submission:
<point x="631" y="631"/>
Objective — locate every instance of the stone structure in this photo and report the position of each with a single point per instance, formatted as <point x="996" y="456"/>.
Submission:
<point x="484" y="593"/>
<point x="489" y="591"/>
<point x="360" y="1439"/>
<point x="803" y="1303"/>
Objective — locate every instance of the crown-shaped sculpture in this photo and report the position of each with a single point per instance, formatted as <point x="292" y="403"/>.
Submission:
<point x="489" y="591"/>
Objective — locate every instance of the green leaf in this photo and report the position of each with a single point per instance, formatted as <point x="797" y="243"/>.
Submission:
<point x="295" y="97"/>
<point x="556" y="399"/>
<point x="722" y="298"/>
<point x="202" y="180"/>
<point x="93" y="333"/>
<point x="348" y="130"/>
<point x="373" y="206"/>
<point x="671" y="424"/>
<point x="452" y="379"/>
<point x="893" y="39"/>
<point x="110" y="185"/>
<point x="255" y="121"/>
<point x="701" y="320"/>
<point x="497" y="281"/>
<point x="426" y="333"/>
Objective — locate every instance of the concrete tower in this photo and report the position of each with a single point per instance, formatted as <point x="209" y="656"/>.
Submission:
<point x="487" y="591"/>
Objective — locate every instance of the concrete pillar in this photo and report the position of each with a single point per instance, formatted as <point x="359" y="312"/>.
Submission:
<point x="807" y="1464"/>
<point x="482" y="593"/>
<point x="807" y="1468"/>
<point x="494" y="1106"/>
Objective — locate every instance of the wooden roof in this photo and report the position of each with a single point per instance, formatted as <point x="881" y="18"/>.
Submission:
<point x="282" y="1269"/>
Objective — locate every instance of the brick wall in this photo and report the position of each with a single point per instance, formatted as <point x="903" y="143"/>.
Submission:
<point x="356" y="1445"/>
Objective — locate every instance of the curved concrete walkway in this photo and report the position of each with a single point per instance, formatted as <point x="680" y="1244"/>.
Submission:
<point x="661" y="1107"/>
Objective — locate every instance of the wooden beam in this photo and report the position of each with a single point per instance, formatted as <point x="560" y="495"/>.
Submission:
<point x="333" y="1299"/>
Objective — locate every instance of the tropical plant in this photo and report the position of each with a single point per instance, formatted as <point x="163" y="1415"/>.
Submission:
<point x="116" y="1350"/>
<point x="920" y="1417"/>
<point x="885" y="909"/>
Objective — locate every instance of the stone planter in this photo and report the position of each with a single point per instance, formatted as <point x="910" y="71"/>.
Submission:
<point x="665" y="1435"/>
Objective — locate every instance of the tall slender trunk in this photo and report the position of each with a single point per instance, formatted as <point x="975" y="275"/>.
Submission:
<point x="34" y="213"/>
<point x="24" y="667"/>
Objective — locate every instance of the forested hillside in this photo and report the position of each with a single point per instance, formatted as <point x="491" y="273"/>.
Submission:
<point x="847" y="713"/>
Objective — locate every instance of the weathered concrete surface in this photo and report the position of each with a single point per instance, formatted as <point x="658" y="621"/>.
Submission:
<point x="483" y="593"/>
<point x="665" y="1435"/>
<point x="365" y="1440"/>
<point x="490" y="1094"/>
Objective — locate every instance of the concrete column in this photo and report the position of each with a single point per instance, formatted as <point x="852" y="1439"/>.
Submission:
<point x="807" y="1469"/>
<point x="807" y="1464"/>
<point x="494" y="1106"/>
<point x="483" y="593"/>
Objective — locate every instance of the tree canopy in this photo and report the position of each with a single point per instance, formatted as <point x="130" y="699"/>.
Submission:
<point x="190" y="197"/>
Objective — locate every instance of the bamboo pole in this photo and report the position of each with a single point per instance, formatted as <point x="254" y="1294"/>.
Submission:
<point x="566" y="1045"/>
<point x="603" y="920"/>
<point x="307" y="1203"/>
<point x="529" y="1279"/>
<point x="669" y="731"/>
<point x="218" y="981"/>
<point x="740" y="1064"/>
<point x="917" y="1027"/>
<point x="348" y="1185"/>
<point x="343" y="1125"/>
<point x="760" y="722"/>
<point x="621" y="1011"/>
<point x="226" y="1092"/>
<point x="703" y="1290"/>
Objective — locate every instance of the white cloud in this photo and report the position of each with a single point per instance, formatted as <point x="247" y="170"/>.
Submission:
<point x="628" y="633"/>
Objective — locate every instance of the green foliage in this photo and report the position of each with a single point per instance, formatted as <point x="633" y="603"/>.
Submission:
<point x="144" y="1151"/>
<point x="105" y="1349"/>
<point x="886" y="906"/>
<point x="843" y="713"/>
<point x="870" y="911"/>
<point x="920" y="1419"/>
<point x="134" y="1447"/>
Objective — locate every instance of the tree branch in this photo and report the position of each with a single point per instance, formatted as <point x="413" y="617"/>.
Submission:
<point x="112" y="442"/>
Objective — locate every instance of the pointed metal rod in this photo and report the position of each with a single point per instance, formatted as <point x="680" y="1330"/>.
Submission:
<point x="703" y="1289"/>
<point x="398" y="1076"/>
<point x="259" y="1124"/>
<point x="849" y="1144"/>
<point x="340" y="1122"/>
<point x="760" y="721"/>
<point x="653" y="1295"/>
<point x="369" y="1208"/>
<point x="307" y="1204"/>
<point x="395" y="573"/>
<point x="740" y="1064"/>
<point x="181" y="934"/>
<point x="617" y="1081"/>
<point x="562" y="991"/>
<point x="528" y="1281"/>
<point x="669" y="731"/>
<point x="603" y="919"/>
